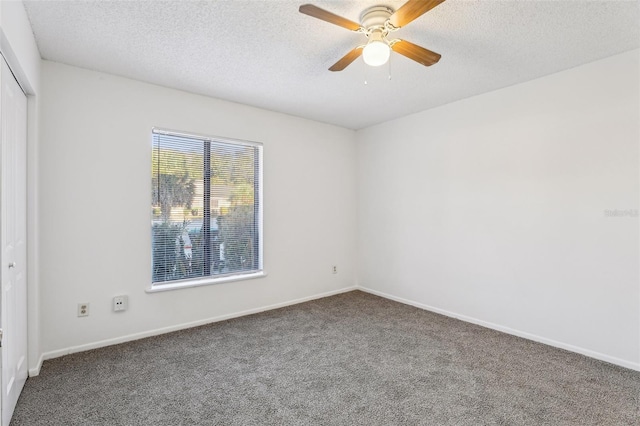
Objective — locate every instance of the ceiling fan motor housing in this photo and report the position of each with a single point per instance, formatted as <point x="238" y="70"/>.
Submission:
<point x="375" y="16"/>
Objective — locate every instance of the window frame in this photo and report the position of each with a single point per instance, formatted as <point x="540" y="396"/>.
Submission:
<point x="218" y="278"/>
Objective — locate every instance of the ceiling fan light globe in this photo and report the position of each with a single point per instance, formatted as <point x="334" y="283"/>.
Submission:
<point x="376" y="53"/>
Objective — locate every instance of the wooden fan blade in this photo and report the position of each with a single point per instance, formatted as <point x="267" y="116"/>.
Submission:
<point x="411" y="10"/>
<point x="415" y="52"/>
<point x="347" y="59"/>
<point x="332" y="18"/>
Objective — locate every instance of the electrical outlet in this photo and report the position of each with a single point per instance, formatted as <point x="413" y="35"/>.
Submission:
<point x="334" y="270"/>
<point x="120" y="303"/>
<point x="83" y="309"/>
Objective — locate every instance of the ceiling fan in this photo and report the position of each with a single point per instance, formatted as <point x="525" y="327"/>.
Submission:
<point x="377" y="23"/>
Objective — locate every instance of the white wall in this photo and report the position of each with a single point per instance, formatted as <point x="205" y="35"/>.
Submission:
<point x="18" y="47"/>
<point x="95" y="207"/>
<point x="492" y="208"/>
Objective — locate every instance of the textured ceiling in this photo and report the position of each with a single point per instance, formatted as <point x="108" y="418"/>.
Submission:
<point x="267" y="54"/>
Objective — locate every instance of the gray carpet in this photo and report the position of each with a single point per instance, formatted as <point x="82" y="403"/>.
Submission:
<point x="351" y="359"/>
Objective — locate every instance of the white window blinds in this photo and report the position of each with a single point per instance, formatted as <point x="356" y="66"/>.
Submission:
<point x="205" y="202"/>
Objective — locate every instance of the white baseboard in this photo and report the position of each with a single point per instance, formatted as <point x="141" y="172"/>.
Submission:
<point x="525" y="335"/>
<point x="135" y="336"/>
<point x="108" y="342"/>
<point x="36" y="370"/>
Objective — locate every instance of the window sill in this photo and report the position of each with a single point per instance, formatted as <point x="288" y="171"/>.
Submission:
<point x="155" y="288"/>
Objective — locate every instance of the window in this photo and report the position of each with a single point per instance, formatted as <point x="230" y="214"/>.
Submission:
<point x="205" y="209"/>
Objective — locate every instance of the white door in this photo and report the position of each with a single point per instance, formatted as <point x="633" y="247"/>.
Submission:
<point x="13" y="240"/>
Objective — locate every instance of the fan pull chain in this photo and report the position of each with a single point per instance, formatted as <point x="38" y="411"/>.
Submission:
<point x="364" y="72"/>
<point x="389" y="66"/>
